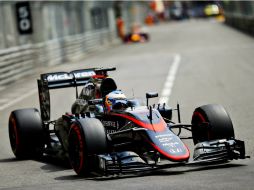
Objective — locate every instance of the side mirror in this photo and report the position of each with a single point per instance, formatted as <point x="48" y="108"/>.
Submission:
<point x="150" y="95"/>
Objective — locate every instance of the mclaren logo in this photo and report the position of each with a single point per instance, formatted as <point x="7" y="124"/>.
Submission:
<point x="65" y="76"/>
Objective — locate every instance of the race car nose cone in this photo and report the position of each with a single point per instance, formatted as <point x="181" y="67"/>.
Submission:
<point x="169" y="145"/>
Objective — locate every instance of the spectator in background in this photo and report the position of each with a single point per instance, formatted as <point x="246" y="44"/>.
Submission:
<point x="120" y="27"/>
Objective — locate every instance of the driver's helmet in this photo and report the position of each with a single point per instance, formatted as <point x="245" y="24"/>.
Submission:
<point x="115" y="100"/>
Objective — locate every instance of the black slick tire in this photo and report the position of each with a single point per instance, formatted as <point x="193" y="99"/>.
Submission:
<point x="211" y="122"/>
<point x="87" y="137"/>
<point x="26" y="133"/>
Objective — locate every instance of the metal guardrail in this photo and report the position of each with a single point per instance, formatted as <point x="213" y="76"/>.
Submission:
<point x="15" y="63"/>
<point x="20" y="61"/>
<point x="241" y="21"/>
<point x="240" y="14"/>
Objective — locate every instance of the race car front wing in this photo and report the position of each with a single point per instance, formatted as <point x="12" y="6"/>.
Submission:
<point x="205" y="153"/>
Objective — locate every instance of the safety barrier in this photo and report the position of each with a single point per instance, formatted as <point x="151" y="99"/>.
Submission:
<point x="20" y="61"/>
<point x="240" y="14"/>
<point x="243" y="22"/>
<point x="15" y="63"/>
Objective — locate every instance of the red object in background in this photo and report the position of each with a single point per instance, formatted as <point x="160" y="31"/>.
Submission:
<point x="153" y="6"/>
<point x="120" y="27"/>
<point x="149" y="20"/>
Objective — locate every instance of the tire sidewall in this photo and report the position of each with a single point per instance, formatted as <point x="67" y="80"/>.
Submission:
<point x="86" y="132"/>
<point x="26" y="126"/>
<point x="76" y="131"/>
<point x="219" y="123"/>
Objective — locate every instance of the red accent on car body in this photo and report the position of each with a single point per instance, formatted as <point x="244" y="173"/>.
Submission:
<point x="158" y="127"/>
<point x="99" y="76"/>
<point x="178" y="158"/>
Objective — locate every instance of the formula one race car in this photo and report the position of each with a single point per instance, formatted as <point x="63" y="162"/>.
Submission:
<point x="106" y="133"/>
<point x="135" y="38"/>
<point x="136" y="35"/>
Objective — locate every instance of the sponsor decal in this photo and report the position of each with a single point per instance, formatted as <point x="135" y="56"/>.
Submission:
<point x="175" y="150"/>
<point x="110" y="131"/>
<point x="164" y="135"/>
<point x="113" y="124"/>
<point x="164" y="140"/>
<point x="65" y="76"/>
<point x="169" y="142"/>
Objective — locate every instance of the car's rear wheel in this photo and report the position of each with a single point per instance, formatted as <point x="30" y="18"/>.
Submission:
<point x="26" y="133"/>
<point x="210" y="122"/>
<point x="87" y="137"/>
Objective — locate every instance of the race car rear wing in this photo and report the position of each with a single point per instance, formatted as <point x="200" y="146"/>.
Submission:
<point x="58" y="80"/>
<point x="73" y="78"/>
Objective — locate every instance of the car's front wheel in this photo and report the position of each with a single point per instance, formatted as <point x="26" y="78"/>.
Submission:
<point x="210" y="122"/>
<point x="87" y="137"/>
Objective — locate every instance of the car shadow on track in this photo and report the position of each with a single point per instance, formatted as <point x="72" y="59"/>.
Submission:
<point x="54" y="164"/>
<point x="161" y="172"/>
<point x="51" y="164"/>
<point x="7" y="160"/>
<point x="115" y="177"/>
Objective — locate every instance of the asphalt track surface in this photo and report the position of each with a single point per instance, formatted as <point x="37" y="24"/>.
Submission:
<point x="215" y="66"/>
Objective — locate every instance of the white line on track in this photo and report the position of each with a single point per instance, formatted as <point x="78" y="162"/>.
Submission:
<point x="169" y="83"/>
<point x="20" y="98"/>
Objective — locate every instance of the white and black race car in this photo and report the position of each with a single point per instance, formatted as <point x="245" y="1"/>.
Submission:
<point x="107" y="133"/>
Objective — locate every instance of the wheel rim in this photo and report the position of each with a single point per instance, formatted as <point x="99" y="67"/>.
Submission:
<point x="13" y="135"/>
<point x="76" y="149"/>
